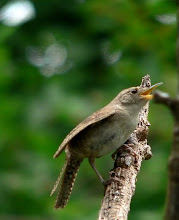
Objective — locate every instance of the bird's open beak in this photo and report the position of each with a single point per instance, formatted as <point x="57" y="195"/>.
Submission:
<point x="146" y="94"/>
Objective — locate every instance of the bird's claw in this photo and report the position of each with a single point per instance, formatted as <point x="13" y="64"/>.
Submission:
<point x="108" y="182"/>
<point x="124" y="150"/>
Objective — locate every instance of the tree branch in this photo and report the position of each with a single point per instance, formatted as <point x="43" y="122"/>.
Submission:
<point x="177" y="47"/>
<point x="172" y="206"/>
<point x="118" y="194"/>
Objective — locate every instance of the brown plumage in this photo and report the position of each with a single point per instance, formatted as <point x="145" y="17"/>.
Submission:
<point x="70" y="173"/>
<point x="102" y="132"/>
<point x="71" y="167"/>
<point x="92" y="119"/>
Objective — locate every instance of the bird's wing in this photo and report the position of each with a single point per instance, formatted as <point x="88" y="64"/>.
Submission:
<point x="92" y="119"/>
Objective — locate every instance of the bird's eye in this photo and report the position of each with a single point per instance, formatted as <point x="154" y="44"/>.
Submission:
<point x="134" y="91"/>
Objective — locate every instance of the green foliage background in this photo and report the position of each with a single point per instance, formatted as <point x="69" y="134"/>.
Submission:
<point x="104" y="47"/>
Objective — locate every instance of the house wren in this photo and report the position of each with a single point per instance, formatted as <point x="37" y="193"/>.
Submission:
<point x="99" y="134"/>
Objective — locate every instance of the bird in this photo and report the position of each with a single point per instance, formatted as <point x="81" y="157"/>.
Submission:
<point x="101" y="133"/>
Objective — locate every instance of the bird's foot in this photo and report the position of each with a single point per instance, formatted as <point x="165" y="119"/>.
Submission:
<point x="108" y="182"/>
<point x="125" y="150"/>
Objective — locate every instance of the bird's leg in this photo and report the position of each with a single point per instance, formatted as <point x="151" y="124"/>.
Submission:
<point x="104" y="182"/>
<point x="125" y="149"/>
<point x="92" y="163"/>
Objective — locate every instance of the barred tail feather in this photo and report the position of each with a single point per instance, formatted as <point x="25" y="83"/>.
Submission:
<point x="58" y="180"/>
<point x="70" y="172"/>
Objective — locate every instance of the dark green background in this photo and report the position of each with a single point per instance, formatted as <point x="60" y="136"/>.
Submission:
<point x="109" y="46"/>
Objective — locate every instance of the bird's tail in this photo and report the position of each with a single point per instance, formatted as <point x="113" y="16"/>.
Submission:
<point x="69" y="173"/>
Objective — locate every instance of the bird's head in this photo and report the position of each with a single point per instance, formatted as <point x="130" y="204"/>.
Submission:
<point x="135" y="97"/>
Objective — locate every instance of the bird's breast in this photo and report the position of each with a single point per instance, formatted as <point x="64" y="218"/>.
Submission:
<point x="113" y="137"/>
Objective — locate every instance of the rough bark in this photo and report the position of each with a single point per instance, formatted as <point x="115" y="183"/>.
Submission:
<point x="172" y="203"/>
<point x="118" y="194"/>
